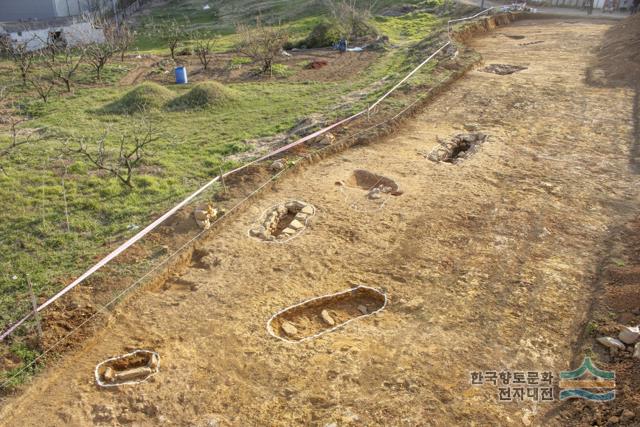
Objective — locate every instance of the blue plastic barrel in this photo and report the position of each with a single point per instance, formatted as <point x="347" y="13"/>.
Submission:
<point x="181" y="75"/>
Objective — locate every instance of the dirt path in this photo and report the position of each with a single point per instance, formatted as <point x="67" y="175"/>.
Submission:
<point x="487" y="265"/>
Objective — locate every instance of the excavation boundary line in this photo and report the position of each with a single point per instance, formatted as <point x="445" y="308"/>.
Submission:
<point x="284" y="241"/>
<point x="271" y="332"/>
<point x="104" y="261"/>
<point x="96" y="371"/>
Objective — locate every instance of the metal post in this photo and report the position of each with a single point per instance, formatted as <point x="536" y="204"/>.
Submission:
<point x="36" y="315"/>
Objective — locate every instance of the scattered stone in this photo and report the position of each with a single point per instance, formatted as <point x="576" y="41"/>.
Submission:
<point x="257" y="232"/>
<point x="362" y="309"/>
<point x="277" y="165"/>
<point x="295" y="205"/>
<point x="204" y="214"/>
<point x="636" y="350"/>
<point x="611" y="343"/>
<point x="289" y="329"/>
<point x="327" y="139"/>
<point x="201" y="215"/>
<point x="296" y="225"/>
<point x="327" y="318"/>
<point x="374" y="194"/>
<point x="154" y="362"/>
<point x="133" y="374"/>
<point x="613" y="420"/>
<point x="458" y="147"/>
<point x="471" y="127"/>
<point x="627" y="415"/>
<point x="629" y="335"/>
<point x="282" y="221"/>
<point x="109" y="374"/>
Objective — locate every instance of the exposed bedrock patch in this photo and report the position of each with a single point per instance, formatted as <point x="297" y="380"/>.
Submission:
<point x="459" y="147"/>
<point x="127" y="369"/>
<point x="375" y="185"/>
<point x="502" y="69"/>
<point x="320" y="315"/>
<point x="283" y="221"/>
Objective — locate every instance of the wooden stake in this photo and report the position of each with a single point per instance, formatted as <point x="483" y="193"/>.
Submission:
<point x="36" y="315"/>
<point x="222" y="180"/>
<point x="64" y="196"/>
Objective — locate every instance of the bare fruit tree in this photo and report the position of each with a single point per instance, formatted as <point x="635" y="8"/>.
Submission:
<point x="63" y="62"/>
<point x="172" y="33"/>
<point x="17" y="135"/>
<point x="261" y="43"/>
<point x="43" y="85"/>
<point x="124" y="38"/>
<point x="20" y="54"/>
<point x="99" y="53"/>
<point x="203" y="48"/>
<point x="132" y="150"/>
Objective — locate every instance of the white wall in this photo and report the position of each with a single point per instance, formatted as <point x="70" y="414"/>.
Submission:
<point x="74" y="34"/>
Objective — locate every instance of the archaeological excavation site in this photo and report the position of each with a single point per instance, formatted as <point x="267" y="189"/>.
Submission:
<point x="319" y="213"/>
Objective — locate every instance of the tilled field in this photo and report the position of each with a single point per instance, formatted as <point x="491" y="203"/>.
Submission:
<point x="487" y="260"/>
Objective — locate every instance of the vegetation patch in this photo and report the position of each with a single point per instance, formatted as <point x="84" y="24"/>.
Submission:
<point x="145" y="97"/>
<point x="411" y="27"/>
<point x="204" y="95"/>
<point x="325" y="34"/>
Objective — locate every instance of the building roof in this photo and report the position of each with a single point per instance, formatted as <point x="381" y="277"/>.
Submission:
<point x="32" y="25"/>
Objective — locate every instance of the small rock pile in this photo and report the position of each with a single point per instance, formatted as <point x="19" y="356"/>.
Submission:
<point x="327" y="139"/>
<point x="377" y="192"/>
<point x="272" y="228"/>
<point x="457" y="148"/>
<point x="204" y="215"/>
<point x="627" y="341"/>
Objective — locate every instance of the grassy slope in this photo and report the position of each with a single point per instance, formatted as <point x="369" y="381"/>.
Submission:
<point x="33" y="236"/>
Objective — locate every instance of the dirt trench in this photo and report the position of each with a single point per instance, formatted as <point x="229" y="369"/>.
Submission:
<point x="487" y="264"/>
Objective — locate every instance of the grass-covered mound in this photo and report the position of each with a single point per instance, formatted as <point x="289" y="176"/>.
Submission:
<point x="325" y="34"/>
<point x="204" y="95"/>
<point x="144" y="97"/>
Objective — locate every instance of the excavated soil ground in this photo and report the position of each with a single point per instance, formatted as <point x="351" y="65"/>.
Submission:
<point x="488" y="265"/>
